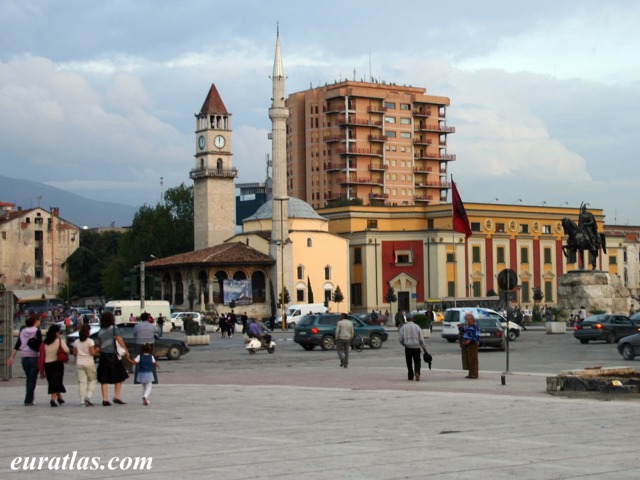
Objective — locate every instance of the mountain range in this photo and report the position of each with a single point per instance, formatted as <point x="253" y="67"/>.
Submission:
<point x="80" y="211"/>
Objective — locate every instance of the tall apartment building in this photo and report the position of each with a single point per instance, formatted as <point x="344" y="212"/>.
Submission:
<point x="380" y="143"/>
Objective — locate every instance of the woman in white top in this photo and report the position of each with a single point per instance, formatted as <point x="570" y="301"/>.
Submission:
<point x="84" y="350"/>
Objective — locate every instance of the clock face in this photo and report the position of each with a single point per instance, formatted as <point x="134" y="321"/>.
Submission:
<point x="201" y="142"/>
<point x="219" y="141"/>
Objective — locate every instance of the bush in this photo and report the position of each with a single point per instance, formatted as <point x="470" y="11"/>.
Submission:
<point x="422" y="321"/>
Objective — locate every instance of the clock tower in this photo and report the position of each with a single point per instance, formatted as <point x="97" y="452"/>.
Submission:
<point x="213" y="177"/>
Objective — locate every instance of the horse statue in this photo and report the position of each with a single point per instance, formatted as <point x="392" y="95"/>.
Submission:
<point x="581" y="238"/>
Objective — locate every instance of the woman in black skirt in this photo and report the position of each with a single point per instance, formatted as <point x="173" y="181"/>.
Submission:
<point x="111" y="371"/>
<point x="51" y="367"/>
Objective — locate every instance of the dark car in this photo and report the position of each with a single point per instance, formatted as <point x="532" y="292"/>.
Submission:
<point x="366" y="318"/>
<point x="162" y="347"/>
<point x="320" y="329"/>
<point x="491" y="333"/>
<point x="605" y="326"/>
<point x="629" y="346"/>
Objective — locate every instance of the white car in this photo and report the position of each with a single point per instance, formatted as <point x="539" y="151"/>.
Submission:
<point x="176" y="321"/>
<point x="455" y="316"/>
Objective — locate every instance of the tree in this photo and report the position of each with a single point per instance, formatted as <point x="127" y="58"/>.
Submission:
<point x="192" y="294"/>
<point x="337" y="296"/>
<point x="537" y="294"/>
<point x="390" y="297"/>
<point x="113" y="276"/>
<point x="287" y="298"/>
<point x="309" y="291"/>
<point x="273" y="298"/>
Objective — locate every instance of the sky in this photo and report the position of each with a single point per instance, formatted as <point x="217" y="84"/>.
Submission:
<point x="98" y="98"/>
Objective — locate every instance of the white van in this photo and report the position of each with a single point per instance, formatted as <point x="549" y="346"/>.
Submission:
<point x="453" y="317"/>
<point x="295" y="312"/>
<point x="122" y="309"/>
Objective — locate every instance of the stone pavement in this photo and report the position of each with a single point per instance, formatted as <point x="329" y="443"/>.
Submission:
<point x="328" y="423"/>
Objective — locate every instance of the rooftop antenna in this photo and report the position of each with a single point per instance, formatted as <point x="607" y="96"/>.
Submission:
<point x="39" y="197"/>
<point x="370" y="76"/>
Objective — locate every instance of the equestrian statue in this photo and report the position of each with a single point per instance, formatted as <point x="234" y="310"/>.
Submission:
<point x="584" y="236"/>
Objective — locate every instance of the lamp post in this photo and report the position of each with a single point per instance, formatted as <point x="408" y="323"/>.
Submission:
<point x="142" y="287"/>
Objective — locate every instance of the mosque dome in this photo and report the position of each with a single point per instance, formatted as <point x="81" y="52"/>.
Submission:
<point x="296" y="209"/>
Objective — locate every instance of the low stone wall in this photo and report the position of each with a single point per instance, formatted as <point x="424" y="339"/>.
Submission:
<point x="595" y="381"/>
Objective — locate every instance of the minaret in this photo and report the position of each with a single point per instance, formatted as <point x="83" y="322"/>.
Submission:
<point x="280" y="247"/>
<point x="213" y="176"/>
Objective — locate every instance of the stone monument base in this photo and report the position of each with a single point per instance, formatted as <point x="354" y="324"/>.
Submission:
<point x="596" y="290"/>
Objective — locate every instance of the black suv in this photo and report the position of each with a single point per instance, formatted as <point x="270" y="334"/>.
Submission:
<point x="320" y="329"/>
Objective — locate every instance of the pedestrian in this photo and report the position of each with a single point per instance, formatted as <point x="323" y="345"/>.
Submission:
<point x="231" y="323"/>
<point x="222" y="324"/>
<point x="51" y="366"/>
<point x="374" y="317"/>
<point x="431" y="317"/>
<point x="411" y="338"/>
<point x="469" y="343"/>
<point x="400" y="318"/>
<point x="244" y="320"/>
<point x="146" y="366"/>
<point x="582" y="314"/>
<point x="28" y="344"/>
<point x="111" y="371"/>
<point x="85" y="351"/>
<point x="344" y="337"/>
<point x="132" y="318"/>
<point x="160" y="323"/>
<point x="144" y="333"/>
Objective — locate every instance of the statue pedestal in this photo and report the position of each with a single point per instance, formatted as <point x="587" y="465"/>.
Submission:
<point x="596" y="290"/>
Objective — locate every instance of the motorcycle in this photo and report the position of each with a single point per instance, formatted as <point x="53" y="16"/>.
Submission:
<point x="254" y="345"/>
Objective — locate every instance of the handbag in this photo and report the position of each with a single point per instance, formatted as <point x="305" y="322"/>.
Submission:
<point x="120" y="352"/>
<point x="62" y="355"/>
<point x="426" y="356"/>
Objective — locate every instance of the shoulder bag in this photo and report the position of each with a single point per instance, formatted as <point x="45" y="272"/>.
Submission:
<point x="120" y="352"/>
<point x="62" y="355"/>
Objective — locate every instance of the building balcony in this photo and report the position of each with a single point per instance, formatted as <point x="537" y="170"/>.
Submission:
<point x="376" y="109"/>
<point x="377" y="138"/>
<point x="378" y="195"/>
<point x="356" y="122"/>
<point x="198" y="173"/>
<point x="332" y="167"/>
<point x="360" y="181"/>
<point x="421" y="169"/>
<point x="360" y="151"/>
<point x="434" y="156"/>
<point x="335" y="108"/>
<point x="441" y="185"/>
<point x="335" y="138"/>
<point x="435" y="128"/>
<point x="422" y="112"/>
<point x="378" y="166"/>
<point x="423" y="198"/>
<point x="422" y="141"/>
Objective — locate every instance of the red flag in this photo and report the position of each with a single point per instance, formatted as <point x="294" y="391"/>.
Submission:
<point x="460" y="219"/>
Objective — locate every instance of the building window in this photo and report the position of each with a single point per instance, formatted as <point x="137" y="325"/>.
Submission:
<point x="499" y="227"/>
<point x="546" y="228"/>
<point x="309" y="242"/>
<point x="300" y="272"/>
<point x="327" y="273"/>
<point x="525" y="292"/>
<point x="500" y="254"/>
<point x="613" y="260"/>
<point x="390" y="105"/>
<point x="476" y="288"/>
<point x="300" y="295"/>
<point x="390" y="119"/>
<point x="547" y="255"/>
<point x="356" y="294"/>
<point x="391" y="134"/>
<point x="573" y="257"/>
<point x="327" y="296"/>
<point x="357" y="256"/>
<point x="404" y="257"/>
<point x="405" y="135"/>
<point x="524" y="228"/>
<point x="524" y="255"/>
<point x="451" y="289"/>
<point x="451" y="257"/>
<point x="405" y="121"/>
<point x="475" y="226"/>
<point x="430" y="224"/>
<point x="548" y="291"/>
<point x="475" y="254"/>
<point x="372" y="224"/>
<point x="405" y="106"/>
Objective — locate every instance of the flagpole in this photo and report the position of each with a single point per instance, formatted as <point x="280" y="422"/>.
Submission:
<point x="455" y="257"/>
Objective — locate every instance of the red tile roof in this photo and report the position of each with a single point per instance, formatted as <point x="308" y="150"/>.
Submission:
<point x="213" y="103"/>
<point x="225" y="254"/>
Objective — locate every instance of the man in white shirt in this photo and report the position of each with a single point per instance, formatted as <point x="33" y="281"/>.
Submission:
<point x="344" y="335"/>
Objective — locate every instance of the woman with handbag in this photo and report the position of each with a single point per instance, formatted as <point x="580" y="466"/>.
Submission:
<point x="111" y="371"/>
<point x="54" y="353"/>
<point x="28" y="344"/>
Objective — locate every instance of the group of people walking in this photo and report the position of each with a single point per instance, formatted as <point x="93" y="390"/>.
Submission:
<point x="47" y="357"/>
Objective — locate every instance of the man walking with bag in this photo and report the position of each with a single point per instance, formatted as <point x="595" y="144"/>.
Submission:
<point x="411" y="338"/>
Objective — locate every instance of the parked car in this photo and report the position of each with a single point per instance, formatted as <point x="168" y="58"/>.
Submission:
<point x="177" y="319"/>
<point x="314" y="330"/>
<point x="605" y="326"/>
<point x="162" y="347"/>
<point x="453" y="317"/>
<point x="366" y="318"/>
<point x="629" y="346"/>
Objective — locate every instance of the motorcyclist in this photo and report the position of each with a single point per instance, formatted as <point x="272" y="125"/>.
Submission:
<point x="260" y="331"/>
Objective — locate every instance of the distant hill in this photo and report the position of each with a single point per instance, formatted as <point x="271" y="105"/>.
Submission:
<point x="78" y="210"/>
